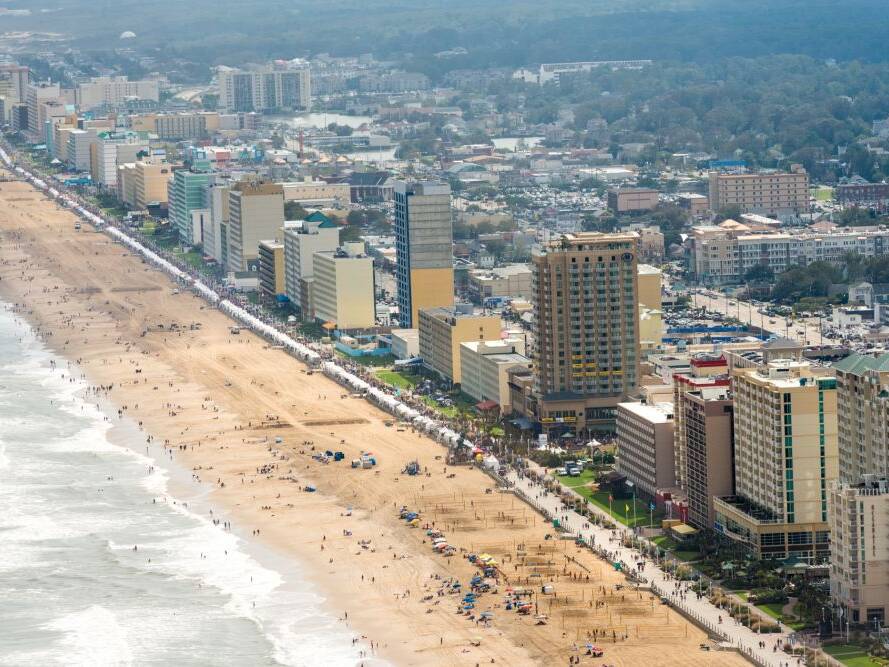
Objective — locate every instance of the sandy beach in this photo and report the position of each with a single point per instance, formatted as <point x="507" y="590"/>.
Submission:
<point x="245" y="419"/>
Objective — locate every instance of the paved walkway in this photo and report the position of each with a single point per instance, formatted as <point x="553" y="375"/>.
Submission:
<point x="608" y="544"/>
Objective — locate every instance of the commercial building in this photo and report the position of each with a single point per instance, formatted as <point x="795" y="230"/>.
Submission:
<point x="628" y="200"/>
<point x="186" y="193"/>
<point x="503" y="282"/>
<point x="36" y="93"/>
<point x="405" y="343"/>
<point x="14" y="81"/>
<point x="343" y="287"/>
<point x="255" y="213"/>
<point x="781" y="195"/>
<point x="302" y="239"/>
<point x="785" y="426"/>
<point x="696" y="204"/>
<point x="707" y="424"/>
<point x="862" y="194"/>
<point x="424" y="270"/>
<point x="586" y="335"/>
<point x="859" y="501"/>
<point x="645" y="446"/>
<point x="485" y="367"/>
<point x="553" y="72"/>
<point x="271" y="268"/>
<point x="650" y="282"/>
<point x="651" y="243"/>
<point x="78" y="152"/>
<point x="150" y="183"/>
<point x="442" y="330"/>
<point x="276" y="86"/>
<point x="113" y="91"/>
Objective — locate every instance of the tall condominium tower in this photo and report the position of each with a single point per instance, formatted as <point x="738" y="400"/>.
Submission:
<point x="278" y="85"/>
<point x="586" y="334"/>
<point x="785" y="424"/>
<point x="424" y="269"/>
<point x="858" y="504"/>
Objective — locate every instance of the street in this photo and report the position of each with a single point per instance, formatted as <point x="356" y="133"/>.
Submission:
<point x="804" y="331"/>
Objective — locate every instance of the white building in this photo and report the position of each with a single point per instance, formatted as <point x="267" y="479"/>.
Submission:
<point x="110" y="150"/>
<point x="405" y="343"/>
<point x="484" y="369"/>
<point x="78" y="152"/>
<point x="279" y="85"/>
<point x="114" y="91"/>
<point x="301" y="241"/>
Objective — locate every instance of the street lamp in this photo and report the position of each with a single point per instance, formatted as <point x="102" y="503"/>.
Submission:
<point x="633" y="486"/>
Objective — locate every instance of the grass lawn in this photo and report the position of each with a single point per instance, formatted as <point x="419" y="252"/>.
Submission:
<point x="585" y="478"/>
<point x="621" y="508"/>
<point x="853" y="655"/>
<point x="192" y="258"/>
<point x="367" y="360"/>
<point x="822" y="193"/>
<point x="398" y="379"/>
<point x="667" y="543"/>
<point x="773" y="609"/>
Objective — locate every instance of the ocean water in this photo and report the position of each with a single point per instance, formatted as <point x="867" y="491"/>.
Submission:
<point x="73" y="505"/>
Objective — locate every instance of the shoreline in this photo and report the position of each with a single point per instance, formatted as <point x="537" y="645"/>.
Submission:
<point x="227" y="399"/>
<point x="177" y="489"/>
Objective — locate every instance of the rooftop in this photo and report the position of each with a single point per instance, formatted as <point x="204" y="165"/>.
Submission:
<point x="858" y="364"/>
<point x="658" y="413"/>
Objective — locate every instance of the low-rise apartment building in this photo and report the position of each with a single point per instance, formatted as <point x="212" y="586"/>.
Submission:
<point x="484" y="370"/>
<point x="721" y="255"/>
<point x="774" y="194"/>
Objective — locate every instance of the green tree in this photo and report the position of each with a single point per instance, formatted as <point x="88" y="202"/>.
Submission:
<point x="731" y="212"/>
<point x="761" y="273"/>
<point x="294" y="211"/>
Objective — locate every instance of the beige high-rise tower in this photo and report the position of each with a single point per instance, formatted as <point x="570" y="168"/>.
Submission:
<point x="586" y="334"/>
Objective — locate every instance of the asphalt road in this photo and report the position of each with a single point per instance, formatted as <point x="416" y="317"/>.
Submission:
<point x="805" y="331"/>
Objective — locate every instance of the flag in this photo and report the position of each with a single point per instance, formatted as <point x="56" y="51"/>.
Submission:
<point x="626" y="508"/>
<point x="610" y="498"/>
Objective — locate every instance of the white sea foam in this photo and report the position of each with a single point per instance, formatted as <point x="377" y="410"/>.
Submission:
<point x="66" y="488"/>
<point x="93" y="637"/>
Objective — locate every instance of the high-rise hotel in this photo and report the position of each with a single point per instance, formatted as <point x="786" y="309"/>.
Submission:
<point x="586" y="333"/>
<point x="424" y="260"/>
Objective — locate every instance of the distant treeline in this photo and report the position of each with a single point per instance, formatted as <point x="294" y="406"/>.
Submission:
<point x="495" y="33"/>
